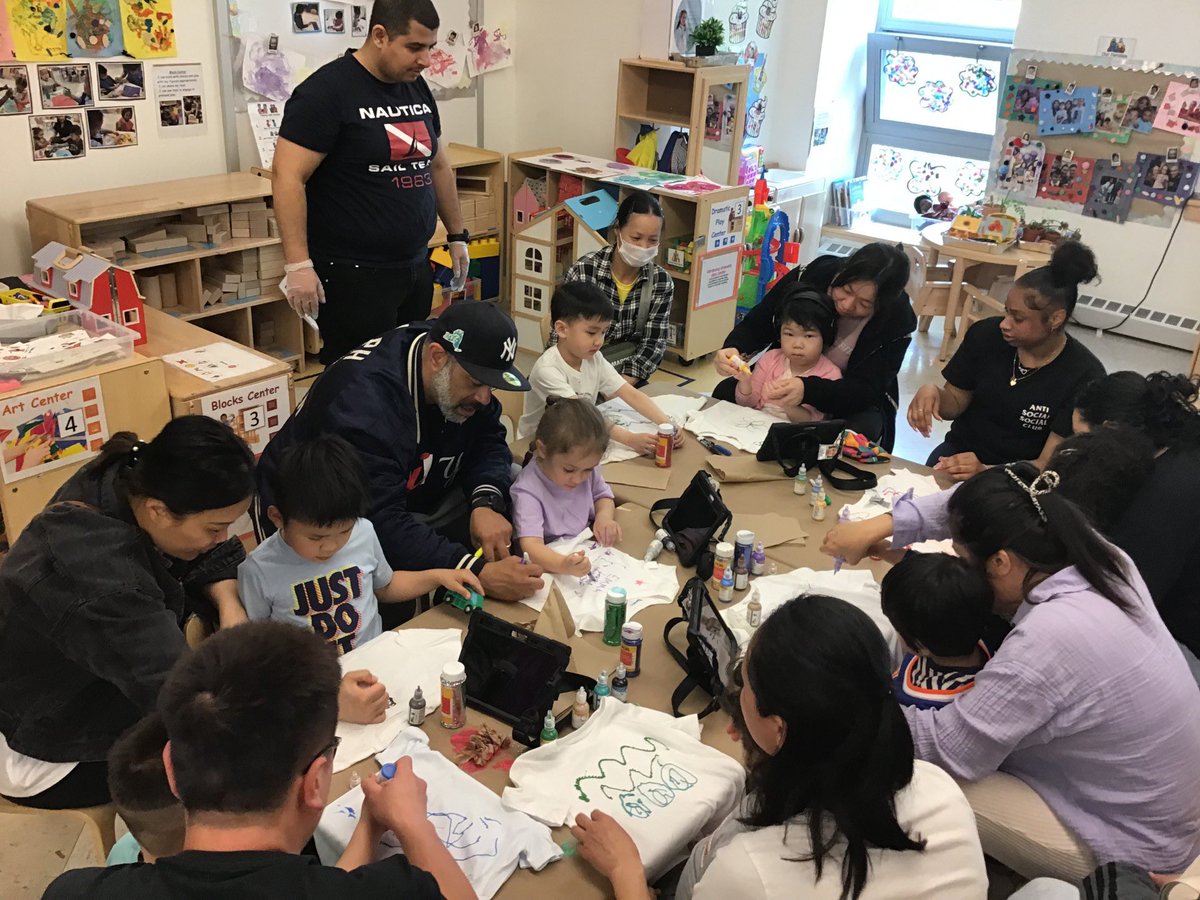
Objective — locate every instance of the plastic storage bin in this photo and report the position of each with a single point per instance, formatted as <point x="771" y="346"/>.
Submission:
<point x="52" y="344"/>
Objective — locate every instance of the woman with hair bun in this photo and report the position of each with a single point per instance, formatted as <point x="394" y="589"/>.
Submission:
<point x="1011" y="386"/>
<point x="1160" y="525"/>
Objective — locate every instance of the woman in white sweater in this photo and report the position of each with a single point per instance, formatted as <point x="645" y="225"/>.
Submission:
<point x="835" y="805"/>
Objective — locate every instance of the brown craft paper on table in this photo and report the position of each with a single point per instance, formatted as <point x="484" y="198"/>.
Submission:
<point x="744" y="467"/>
<point x="772" y="529"/>
<point x="637" y="473"/>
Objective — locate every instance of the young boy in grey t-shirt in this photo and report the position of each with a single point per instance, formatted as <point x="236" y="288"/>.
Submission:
<point x="324" y="568"/>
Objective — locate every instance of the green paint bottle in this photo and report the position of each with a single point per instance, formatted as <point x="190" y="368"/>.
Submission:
<point x="549" y="732"/>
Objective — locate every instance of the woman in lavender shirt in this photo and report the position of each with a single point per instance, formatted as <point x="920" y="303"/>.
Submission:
<point x="1081" y="737"/>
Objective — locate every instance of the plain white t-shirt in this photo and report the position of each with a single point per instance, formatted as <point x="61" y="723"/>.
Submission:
<point x="551" y="376"/>
<point x="24" y="776"/>
<point x="758" y="865"/>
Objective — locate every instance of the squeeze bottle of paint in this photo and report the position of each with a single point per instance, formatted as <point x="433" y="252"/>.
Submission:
<point x="602" y="690"/>
<point x="549" y="732"/>
<point x="620" y="683"/>
<point x="416" y="708"/>
<point x="580" y="711"/>
<point x="758" y="560"/>
<point x="725" y="595"/>
<point x="652" y="551"/>
<point x="754" y="610"/>
<point x="454" y="701"/>
<point x="800" y="483"/>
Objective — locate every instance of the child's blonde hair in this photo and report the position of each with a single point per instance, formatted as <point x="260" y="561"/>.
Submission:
<point x="571" y="423"/>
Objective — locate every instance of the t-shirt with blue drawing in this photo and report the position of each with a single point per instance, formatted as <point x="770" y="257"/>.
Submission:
<point x="335" y="598"/>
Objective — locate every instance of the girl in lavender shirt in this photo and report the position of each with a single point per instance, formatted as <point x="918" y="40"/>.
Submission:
<point x="561" y="491"/>
<point x="1088" y="702"/>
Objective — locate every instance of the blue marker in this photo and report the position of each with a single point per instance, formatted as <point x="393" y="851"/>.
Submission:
<point x="387" y="772"/>
<point x="713" y="447"/>
<point x="839" y="561"/>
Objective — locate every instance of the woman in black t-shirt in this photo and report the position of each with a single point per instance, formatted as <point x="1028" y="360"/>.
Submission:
<point x="1010" y="388"/>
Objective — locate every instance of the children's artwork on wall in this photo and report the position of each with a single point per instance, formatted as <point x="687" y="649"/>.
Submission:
<point x="900" y="68"/>
<point x="57" y="136"/>
<point x="887" y="163"/>
<point x="755" y="116"/>
<point x="1022" y="95"/>
<point x="644" y="179"/>
<point x="1067" y="112"/>
<point x="121" y="81"/>
<point x="487" y="50"/>
<point x="971" y="180"/>
<point x="935" y="96"/>
<point x="114" y="126"/>
<point x="447" y="65"/>
<point x="1141" y="112"/>
<point x="360" y="21"/>
<point x="767" y="13"/>
<point x="16" y="99"/>
<point x="38" y="29"/>
<point x="1165" y="179"/>
<point x="1020" y="168"/>
<point x="1110" y="116"/>
<point x="149" y="28"/>
<point x="1180" y="109"/>
<point x="267" y="70"/>
<point x="977" y="81"/>
<point x="1112" y="191"/>
<point x="94" y="28"/>
<point x="738" y="17"/>
<point x="1065" y="180"/>
<point x="6" y="44"/>
<point x="65" y="86"/>
<point x="306" y="18"/>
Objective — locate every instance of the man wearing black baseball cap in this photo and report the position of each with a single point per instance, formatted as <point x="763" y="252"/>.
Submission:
<point x="417" y="404"/>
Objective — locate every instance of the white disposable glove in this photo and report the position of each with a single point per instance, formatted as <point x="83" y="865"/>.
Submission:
<point x="460" y="261"/>
<point x="303" y="288"/>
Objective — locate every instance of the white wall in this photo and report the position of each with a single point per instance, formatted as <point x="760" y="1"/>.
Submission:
<point x="1127" y="253"/>
<point x="153" y="159"/>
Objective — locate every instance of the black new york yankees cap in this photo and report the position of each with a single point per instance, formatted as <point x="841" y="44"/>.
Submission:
<point x="483" y="340"/>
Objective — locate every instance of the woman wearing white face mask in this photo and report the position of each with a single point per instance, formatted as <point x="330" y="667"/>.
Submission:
<point x="639" y="288"/>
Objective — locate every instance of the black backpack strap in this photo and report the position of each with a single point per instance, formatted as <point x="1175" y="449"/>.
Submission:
<point x="856" y="480"/>
<point x="681" y="693"/>
<point x="671" y="648"/>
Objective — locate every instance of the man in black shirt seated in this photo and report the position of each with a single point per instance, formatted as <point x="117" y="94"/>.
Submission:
<point x="250" y="718"/>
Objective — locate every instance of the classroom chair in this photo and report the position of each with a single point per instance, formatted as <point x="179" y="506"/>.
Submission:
<point x="982" y="304"/>
<point x="928" y="286"/>
<point x="196" y="631"/>
<point x="99" y="822"/>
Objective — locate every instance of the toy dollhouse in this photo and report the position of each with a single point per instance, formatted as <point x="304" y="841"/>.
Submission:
<point x="90" y="283"/>
<point x="528" y="202"/>
<point x="544" y="250"/>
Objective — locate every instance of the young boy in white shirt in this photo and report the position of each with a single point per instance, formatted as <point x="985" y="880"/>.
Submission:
<point x="575" y="367"/>
<point x="324" y="568"/>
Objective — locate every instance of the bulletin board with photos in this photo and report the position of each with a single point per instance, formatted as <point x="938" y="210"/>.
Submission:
<point x="1111" y="140"/>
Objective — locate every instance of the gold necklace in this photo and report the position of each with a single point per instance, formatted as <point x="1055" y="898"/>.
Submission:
<point x="1027" y="371"/>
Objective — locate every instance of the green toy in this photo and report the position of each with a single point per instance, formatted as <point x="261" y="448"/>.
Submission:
<point x="466" y="604"/>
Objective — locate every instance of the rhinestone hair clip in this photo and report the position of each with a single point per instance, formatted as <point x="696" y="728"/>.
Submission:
<point x="1040" y="486"/>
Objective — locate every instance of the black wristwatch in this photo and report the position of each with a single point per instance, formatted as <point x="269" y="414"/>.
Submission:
<point x="463" y="236"/>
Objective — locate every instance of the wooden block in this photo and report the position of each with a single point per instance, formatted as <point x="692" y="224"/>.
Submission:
<point x="247" y="205"/>
<point x="272" y="228"/>
<point x="259" y="230"/>
<point x="151" y="291"/>
<point x="239" y="232"/>
<point x="216" y="209"/>
<point x="194" y="232"/>
<point x="141" y="245"/>
<point x="259" y="214"/>
<point x="169" y="290"/>
<point x="156" y="234"/>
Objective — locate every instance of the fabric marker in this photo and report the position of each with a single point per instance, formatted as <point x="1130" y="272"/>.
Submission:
<point x="713" y="447"/>
<point x="386" y="772"/>
<point x="524" y="559"/>
<point x="741" y="364"/>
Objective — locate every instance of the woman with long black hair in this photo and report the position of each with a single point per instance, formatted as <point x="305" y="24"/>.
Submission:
<point x="1081" y="735"/>
<point x="875" y="324"/>
<point x="93" y="595"/>
<point x="836" y="808"/>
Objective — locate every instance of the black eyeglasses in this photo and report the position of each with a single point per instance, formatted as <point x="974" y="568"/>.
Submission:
<point x="329" y="750"/>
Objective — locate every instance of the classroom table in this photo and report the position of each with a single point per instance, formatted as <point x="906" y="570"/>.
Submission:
<point x="660" y="673"/>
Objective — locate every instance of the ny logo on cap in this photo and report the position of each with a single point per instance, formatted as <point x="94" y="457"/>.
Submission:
<point x="455" y="339"/>
<point x="509" y="351"/>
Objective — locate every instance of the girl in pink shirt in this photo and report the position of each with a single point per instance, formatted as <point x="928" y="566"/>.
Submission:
<point x="806" y="323"/>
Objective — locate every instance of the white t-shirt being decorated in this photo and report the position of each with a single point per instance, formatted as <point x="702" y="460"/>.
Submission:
<point x="646" y="769"/>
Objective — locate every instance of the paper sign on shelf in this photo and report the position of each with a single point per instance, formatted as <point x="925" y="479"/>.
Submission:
<point x="216" y="362"/>
<point x="718" y="274"/>
<point x="255" y="412"/>
<point x="727" y="224"/>
<point x="51" y="428"/>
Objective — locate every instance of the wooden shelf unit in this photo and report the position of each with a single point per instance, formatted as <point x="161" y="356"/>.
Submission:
<point x="704" y="328"/>
<point x="72" y="218"/>
<point x="665" y="92"/>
